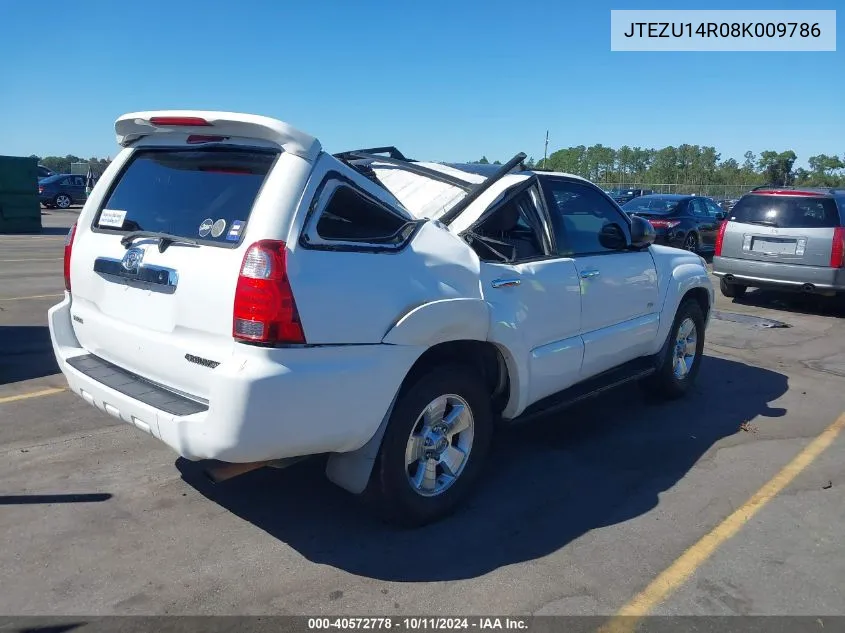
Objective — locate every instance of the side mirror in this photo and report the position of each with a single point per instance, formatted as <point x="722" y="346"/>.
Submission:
<point x="720" y="216"/>
<point x="612" y="237"/>
<point x="642" y="232"/>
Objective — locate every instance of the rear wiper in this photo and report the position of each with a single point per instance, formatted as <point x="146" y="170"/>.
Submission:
<point x="763" y="222"/>
<point x="164" y="239"/>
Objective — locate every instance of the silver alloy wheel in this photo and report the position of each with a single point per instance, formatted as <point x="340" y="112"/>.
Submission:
<point x="686" y="348"/>
<point x="690" y="243"/>
<point x="439" y="445"/>
<point x="62" y="201"/>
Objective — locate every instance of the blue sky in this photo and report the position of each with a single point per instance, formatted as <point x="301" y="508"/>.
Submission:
<point x="441" y="79"/>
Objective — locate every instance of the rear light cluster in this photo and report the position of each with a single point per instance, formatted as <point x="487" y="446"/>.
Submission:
<point x="837" y="251"/>
<point x="179" y="121"/>
<point x="265" y="310"/>
<point x="40" y="189"/>
<point x="720" y="237"/>
<point x="664" y="224"/>
<point x="68" y="252"/>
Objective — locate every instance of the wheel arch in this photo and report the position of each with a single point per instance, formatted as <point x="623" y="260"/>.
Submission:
<point x="352" y="470"/>
<point x="685" y="280"/>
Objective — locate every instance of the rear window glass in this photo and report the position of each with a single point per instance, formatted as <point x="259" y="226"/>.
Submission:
<point x="657" y="206"/>
<point x="200" y="194"/>
<point x="786" y="211"/>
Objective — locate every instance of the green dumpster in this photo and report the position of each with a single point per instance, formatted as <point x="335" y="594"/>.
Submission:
<point x="20" y="210"/>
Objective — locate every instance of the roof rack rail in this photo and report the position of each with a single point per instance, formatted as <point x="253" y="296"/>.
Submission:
<point x="389" y="149"/>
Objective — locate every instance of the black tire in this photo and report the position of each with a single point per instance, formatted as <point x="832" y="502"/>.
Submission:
<point x="61" y="197"/>
<point x="389" y="489"/>
<point x="691" y="243"/>
<point x="732" y="290"/>
<point x="664" y="383"/>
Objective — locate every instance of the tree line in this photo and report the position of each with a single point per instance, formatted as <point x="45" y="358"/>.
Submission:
<point x="691" y="165"/>
<point x="61" y="164"/>
<point x="686" y="164"/>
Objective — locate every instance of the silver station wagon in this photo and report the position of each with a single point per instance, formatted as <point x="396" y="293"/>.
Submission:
<point x="791" y="239"/>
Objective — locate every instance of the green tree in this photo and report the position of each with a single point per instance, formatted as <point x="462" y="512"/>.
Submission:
<point x="777" y="167"/>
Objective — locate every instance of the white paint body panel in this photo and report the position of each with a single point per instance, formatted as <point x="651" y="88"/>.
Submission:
<point x="367" y="316"/>
<point x="536" y="324"/>
<point x="619" y="308"/>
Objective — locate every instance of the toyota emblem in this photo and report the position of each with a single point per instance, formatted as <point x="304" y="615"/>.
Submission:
<point x="132" y="260"/>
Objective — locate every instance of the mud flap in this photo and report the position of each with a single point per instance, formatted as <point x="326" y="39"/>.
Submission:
<point x="351" y="471"/>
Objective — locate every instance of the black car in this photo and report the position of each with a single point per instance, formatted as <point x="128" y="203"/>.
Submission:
<point x="688" y="222"/>
<point x="62" y="190"/>
<point x="44" y="172"/>
<point x="625" y="195"/>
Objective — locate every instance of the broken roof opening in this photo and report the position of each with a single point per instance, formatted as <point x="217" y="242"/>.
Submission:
<point x="456" y="191"/>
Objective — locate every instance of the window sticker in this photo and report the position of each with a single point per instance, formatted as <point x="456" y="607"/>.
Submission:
<point x="218" y="228"/>
<point x="235" y="231"/>
<point x="112" y="218"/>
<point x="205" y="227"/>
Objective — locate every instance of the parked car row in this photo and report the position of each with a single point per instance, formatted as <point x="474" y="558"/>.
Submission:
<point x="688" y="222"/>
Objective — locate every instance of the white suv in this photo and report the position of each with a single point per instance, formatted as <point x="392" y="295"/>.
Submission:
<point x="245" y="297"/>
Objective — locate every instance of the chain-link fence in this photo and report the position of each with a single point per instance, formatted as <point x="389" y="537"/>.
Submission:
<point x="81" y="168"/>
<point x="721" y="192"/>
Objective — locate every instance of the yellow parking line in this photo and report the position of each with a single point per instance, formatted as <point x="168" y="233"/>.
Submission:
<point x="32" y="297"/>
<point x="677" y="573"/>
<point x="33" y="394"/>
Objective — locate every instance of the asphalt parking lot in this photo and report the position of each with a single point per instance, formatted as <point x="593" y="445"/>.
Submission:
<point x="616" y="504"/>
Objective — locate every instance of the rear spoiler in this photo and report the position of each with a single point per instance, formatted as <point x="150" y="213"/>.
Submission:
<point x="135" y="125"/>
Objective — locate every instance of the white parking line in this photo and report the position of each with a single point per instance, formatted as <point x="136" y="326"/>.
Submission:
<point x="32" y="259"/>
<point x="32" y="297"/>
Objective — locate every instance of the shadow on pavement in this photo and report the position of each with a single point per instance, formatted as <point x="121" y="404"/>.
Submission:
<point x="546" y="483"/>
<point x="795" y="302"/>
<point x="25" y="353"/>
<point x="13" y="500"/>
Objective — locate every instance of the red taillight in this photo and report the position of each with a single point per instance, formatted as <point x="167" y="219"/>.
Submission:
<point x="837" y="251"/>
<point x="720" y="236"/>
<point x="40" y="189"/>
<point x="664" y="224"/>
<point x="205" y="138"/>
<point x="265" y="310"/>
<point x="68" y="251"/>
<point x="191" y="121"/>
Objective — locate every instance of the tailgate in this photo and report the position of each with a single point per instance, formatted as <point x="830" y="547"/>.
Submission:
<point x="163" y="308"/>
<point x="788" y="229"/>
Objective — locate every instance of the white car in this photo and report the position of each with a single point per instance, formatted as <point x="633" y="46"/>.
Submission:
<point x="244" y="296"/>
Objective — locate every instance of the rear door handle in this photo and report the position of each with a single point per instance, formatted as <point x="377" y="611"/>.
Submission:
<point x="505" y="283"/>
<point x="586" y="274"/>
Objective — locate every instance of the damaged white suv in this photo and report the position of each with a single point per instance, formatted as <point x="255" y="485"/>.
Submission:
<point x="245" y="297"/>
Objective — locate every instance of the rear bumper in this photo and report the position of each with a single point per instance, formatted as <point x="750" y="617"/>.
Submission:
<point x="265" y="403"/>
<point x="757" y="273"/>
<point x="672" y="238"/>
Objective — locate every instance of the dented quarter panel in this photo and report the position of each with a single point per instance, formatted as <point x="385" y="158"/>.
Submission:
<point x="441" y="321"/>
<point x="347" y="297"/>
